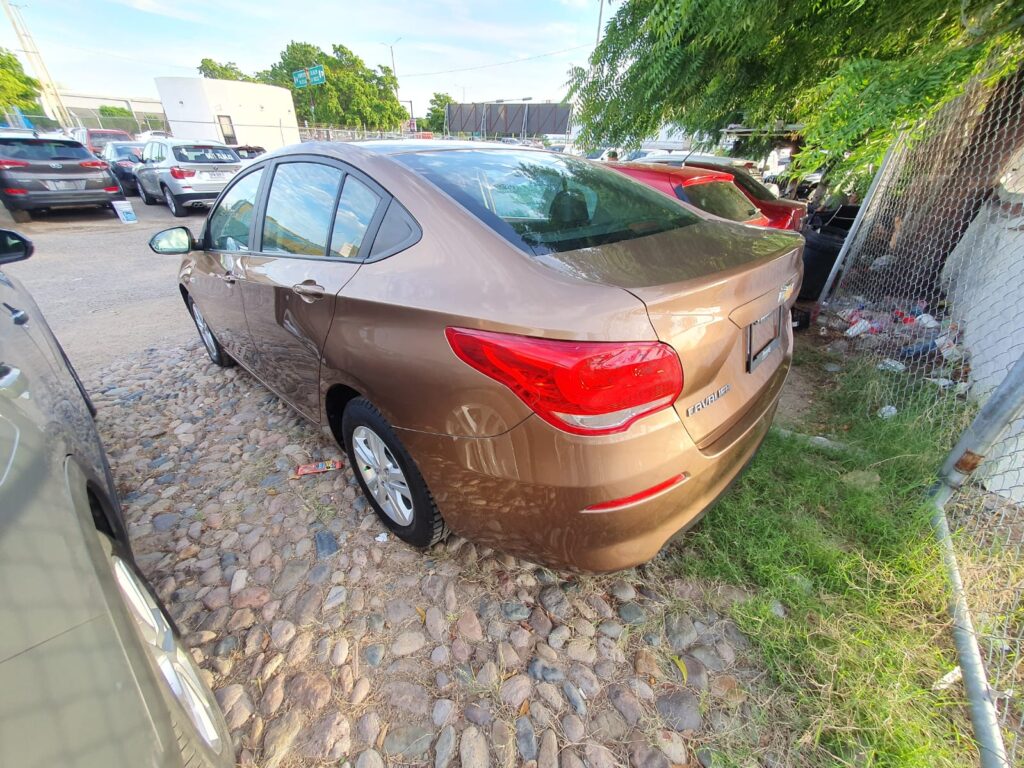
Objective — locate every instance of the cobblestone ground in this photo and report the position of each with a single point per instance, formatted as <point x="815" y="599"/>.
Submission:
<point x="326" y="640"/>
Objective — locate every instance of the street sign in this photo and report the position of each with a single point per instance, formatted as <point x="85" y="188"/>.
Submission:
<point x="301" y="78"/>
<point x="316" y="75"/>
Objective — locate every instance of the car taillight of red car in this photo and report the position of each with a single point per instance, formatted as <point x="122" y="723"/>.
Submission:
<point x="587" y="388"/>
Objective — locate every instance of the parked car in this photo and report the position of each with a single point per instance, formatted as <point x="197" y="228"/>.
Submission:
<point x="711" y="191"/>
<point x="150" y="135"/>
<point x="122" y="157"/>
<point x="782" y="214"/>
<point x="95" y="139"/>
<point x="527" y="348"/>
<point x="43" y="173"/>
<point x="92" y="670"/>
<point x="247" y="151"/>
<point x="184" y="173"/>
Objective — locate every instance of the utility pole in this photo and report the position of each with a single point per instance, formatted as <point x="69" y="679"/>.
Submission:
<point x="48" y="91"/>
<point x="600" y="16"/>
<point x="394" y="71"/>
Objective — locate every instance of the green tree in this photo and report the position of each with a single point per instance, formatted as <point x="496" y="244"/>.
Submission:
<point x="217" y="71"/>
<point x="851" y="72"/>
<point x="107" y="110"/>
<point x="435" y="115"/>
<point x="353" y="94"/>
<point x="16" y="88"/>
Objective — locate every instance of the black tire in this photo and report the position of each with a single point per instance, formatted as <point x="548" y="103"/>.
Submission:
<point x="177" y="210"/>
<point x="427" y="526"/>
<point x="21" y="217"/>
<point x="213" y="348"/>
<point x="147" y="199"/>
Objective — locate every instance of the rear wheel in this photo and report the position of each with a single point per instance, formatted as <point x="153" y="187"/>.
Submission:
<point x="389" y="477"/>
<point x="176" y="208"/>
<point x="213" y="347"/>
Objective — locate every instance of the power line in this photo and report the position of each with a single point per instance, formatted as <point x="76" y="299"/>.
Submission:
<point x="500" y="63"/>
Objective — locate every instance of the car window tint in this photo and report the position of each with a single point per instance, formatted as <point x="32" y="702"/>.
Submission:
<point x="231" y="221"/>
<point x="42" y="150"/>
<point x="546" y="203"/>
<point x="356" y="207"/>
<point x="300" y="209"/>
<point x="720" y="198"/>
<point x="204" y="153"/>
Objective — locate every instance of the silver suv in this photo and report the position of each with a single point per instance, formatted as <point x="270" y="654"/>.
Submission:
<point x="184" y="173"/>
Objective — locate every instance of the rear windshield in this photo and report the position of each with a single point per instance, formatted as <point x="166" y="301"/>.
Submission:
<point x="546" y="203"/>
<point x="127" y="150"/>
<point x="749" y="183"/>
<point x="720" y="198"/>
<point x="204" y="153"/>
<point x="102" y="138"/>
<point x="43" y="149"/>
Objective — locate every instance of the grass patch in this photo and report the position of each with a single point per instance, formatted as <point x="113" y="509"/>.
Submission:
<point x="856" y="569"/>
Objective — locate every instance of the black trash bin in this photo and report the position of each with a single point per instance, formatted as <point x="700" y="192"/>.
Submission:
<point x="824" y="234"/>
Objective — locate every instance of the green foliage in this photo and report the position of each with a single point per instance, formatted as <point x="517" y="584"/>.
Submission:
<point x="435" y="115"/>
<point x="353" y="94"/>
<point x="16" y="88"/>
<point x="217" y="71"/>
<point x="108" y="110"/>
<point x="852" y="72"/>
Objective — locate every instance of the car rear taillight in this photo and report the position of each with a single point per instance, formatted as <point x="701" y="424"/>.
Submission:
<point x="125" y="163"/>
<point x="6" y="165"/>
<point x="14" y="191"/>
<point x="111" y="189"/>
<point x="583" y="387"/>
<point x="182" y="173"/>
<point x="93" y="164"/>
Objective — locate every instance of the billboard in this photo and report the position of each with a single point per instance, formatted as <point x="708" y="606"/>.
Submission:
<point x="509" y="118"/>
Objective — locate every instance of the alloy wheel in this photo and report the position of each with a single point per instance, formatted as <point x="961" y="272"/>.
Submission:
<point x="382" y="475"/>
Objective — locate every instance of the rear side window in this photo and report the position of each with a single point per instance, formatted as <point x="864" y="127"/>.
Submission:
<point x="720" y="198"/>
<point x="356" y="207"/>
<point x="546" y="203"/>
<point x="231" y="222"/>
<point x="300" y="209"/>
<point x="203" y="154"/>
<point x="41" y="150"/>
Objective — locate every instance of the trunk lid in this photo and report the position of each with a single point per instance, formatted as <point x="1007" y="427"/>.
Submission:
<point x="714" y="292"/>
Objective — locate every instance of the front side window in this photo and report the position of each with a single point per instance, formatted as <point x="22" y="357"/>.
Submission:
<point x="546" y="203"/>
<point x="300" y="209"/>
<point x="720" y="198"/>
<point x="231" y="222"/>
<point x="356" y="207"/>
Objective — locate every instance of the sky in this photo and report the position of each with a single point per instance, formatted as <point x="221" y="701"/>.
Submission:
<point x="505" y="50"/>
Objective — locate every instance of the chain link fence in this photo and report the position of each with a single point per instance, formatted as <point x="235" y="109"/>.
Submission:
<point x="138" y="122"/>
<point x="931" y="287"/>
<point x="333" y="133"/>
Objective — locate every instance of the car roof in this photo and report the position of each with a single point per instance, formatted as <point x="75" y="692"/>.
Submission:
<point x="682" y="174"/>
<point x="15" y="133"/>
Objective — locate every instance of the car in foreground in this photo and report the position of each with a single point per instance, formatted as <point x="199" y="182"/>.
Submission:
<point x="122" y="157"/>
<point x="92" y="672"/>
<point x="711" y="191"/>
<point x="184" y="173"/>
<point x="43" y="173"/>
<point x="524" y="347"/>
<point x="95" y="139"/>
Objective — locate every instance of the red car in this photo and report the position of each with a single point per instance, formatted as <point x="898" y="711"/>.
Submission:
<point x="782" y="214"/>
<point x="711" y="191"/>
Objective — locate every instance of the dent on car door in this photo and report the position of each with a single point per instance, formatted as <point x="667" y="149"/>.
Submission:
<point x="318" y="222"/>
<point x="215" y="283"/>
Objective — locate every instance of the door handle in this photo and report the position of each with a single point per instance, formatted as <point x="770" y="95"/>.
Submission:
<point x="228" y="278"/>
<point x="309" y="291"/>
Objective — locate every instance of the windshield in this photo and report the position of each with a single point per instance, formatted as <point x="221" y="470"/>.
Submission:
<point x="546" y="203"/>
<point x="43" y="149"/>
<point x="720" y="198"/>
<point x="204" y="153"/>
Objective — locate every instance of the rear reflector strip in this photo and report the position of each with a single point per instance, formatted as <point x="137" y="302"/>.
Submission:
<point x="650" y="493"/>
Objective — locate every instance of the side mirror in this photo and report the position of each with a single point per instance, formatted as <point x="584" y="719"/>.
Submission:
<point x="176" y="241"/>
<point x="14" y="247"/>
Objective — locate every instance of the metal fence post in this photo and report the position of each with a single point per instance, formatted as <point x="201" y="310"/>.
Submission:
<point x="1004" y="405"/>
<point x="848" y="242"/>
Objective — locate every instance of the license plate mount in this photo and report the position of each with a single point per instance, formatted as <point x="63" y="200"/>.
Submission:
<point x="763" y="336"/>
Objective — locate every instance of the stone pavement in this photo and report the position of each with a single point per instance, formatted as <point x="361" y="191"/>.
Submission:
<point x="326" y="639"/>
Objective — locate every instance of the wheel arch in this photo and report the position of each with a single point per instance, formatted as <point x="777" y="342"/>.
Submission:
<point x="335" y="399"/>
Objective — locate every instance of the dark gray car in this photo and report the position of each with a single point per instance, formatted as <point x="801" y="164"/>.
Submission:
<point x="92" y="674"/>
<point x="39" y="173"/>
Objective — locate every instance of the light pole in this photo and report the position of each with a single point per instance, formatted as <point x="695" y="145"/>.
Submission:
<point x="394" y="71"/>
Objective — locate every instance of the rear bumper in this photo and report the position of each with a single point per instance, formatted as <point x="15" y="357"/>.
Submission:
<point x="527" y="491"/>
<point x="195" y="198"/>
<point x="36" y="200"/>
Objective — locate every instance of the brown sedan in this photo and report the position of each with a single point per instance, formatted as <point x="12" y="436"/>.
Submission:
<point x="524" y="347"/>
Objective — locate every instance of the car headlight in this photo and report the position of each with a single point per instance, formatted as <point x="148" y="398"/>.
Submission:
<point x="174" y="662"/>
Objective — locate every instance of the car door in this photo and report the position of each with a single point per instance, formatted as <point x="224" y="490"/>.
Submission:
<point x="319" y="221"/>
<point x="217" y="274"/>
<point x="144" y="171"/>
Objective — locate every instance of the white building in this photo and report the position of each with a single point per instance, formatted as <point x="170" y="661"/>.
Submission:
<point x="229" y="111"/>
